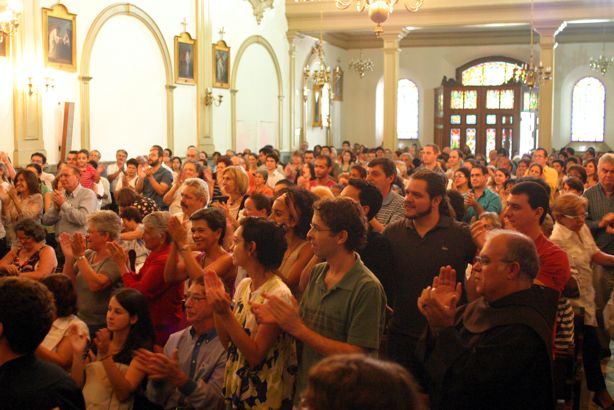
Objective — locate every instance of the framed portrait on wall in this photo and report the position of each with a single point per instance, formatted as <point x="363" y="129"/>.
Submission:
<point x="4" y="45"/>
<point x="338" y="84"/>
<point x="317" y="106"/>
<point x="60" y="38"/>
<point x="185" y="59"/>
<point x="221" y="65"/>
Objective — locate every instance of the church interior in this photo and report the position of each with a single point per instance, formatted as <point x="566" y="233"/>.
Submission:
<point x="123" y="78"/>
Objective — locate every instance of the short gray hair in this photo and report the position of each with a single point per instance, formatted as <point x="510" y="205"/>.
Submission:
<point x="158" y="222"/>
<point x="106" y="222"/>
<point x="608" y="157"/>
<point x="201" y="187"/>
<point x="520" y="249"/>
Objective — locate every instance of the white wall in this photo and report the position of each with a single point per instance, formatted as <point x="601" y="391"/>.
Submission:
<point x="6" y="105"/>
<point x="427" y="65"/>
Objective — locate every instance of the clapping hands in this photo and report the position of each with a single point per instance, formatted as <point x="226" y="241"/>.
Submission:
<point x="438" y="301"/>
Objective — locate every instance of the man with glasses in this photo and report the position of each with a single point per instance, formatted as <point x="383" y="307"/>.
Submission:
<point x="494" y="353"/>
<point x="190" y="372"/>
<point x="343" y="307"/>
<point x="480" y="199"/>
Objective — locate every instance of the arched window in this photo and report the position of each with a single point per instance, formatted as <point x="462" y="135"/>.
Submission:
<point x="407" y="110"/>
<point x="588" y="110"/>
<point x="489" y="73"/>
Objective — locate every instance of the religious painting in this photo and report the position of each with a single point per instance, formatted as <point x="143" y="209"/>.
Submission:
<point x="221" y="65"/>
<point x="185" y="59"/>
<point x="317" y="106"/>
<point x="338" y="84"/>
<point x="59" y="38"/>
<point x="4" y="39"/>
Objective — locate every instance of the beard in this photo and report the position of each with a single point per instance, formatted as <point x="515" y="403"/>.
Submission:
<point x="422" y="214"/>
<point x="154" y="163"/>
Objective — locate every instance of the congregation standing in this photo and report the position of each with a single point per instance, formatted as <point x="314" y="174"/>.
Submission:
<point x="351" y="278"/>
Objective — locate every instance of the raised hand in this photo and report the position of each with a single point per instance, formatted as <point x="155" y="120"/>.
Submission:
<point x="216" y="294"/>
<point x="78" y="340"/>
<point x="438" y="302"/>
<point x="58" y="198"/>
<point x="118" y="254"/>
<point x="445" y="288"/>
<point x="478" y="232"/>
<point x="284" y="312"/>
<point x="65" y="244"/>
<point x="178" y="231"/>
<point x="78" y="244"/>
<point x="103" y="341"/>
<point x="159" y="367"/>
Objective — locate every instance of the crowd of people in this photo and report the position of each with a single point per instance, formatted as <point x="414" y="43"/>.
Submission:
<point x="352" y="279"/>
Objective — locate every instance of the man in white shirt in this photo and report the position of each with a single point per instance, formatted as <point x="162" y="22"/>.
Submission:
<point x="114" y="170"/>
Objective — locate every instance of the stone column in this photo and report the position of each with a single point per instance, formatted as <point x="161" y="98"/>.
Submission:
<point x="391" y="79"/>
<point x="204" y="116"/>
<point x="291" y="35"/>
<point x="547" y="45"/>
<point x="25" y="48"/>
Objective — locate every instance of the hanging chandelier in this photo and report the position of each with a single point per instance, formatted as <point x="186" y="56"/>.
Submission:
<point x="9" y="18"/>
<point x="531" y="74"/>
<point x="321" y="74"/>
<point x="378" y="10"/>
<point x="361" y="66"/>
<point x="601" y="64"/>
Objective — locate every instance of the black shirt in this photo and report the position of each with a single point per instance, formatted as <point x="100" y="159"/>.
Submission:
<point x="377" y="256"/>
<point x="30" y="383"/>
<point x="418" y="260"/>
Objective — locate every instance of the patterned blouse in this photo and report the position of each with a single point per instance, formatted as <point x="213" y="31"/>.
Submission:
<point x="270" y="384"/>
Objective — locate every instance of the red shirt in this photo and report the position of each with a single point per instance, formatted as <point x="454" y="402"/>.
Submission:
<point x="165" y="300"/>
<point x="88" y="177"/>
<point x="553" y="264"/>
<point x="328" y="184"/>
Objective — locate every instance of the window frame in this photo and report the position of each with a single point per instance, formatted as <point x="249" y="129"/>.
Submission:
<point x="571" y="116"/>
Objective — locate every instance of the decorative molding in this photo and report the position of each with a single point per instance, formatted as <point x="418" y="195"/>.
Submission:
<point x="260" y="7"/>
<point x="259" y="40"/>
<point x="105" y="15"/>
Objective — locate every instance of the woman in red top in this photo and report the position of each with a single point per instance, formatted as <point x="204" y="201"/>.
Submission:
<point x="164" y="299"/>
<point x="89" y="176"/>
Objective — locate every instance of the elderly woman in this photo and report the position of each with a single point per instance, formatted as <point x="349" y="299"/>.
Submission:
<point x="164" y="299"/>
<point x="190" y="169"/>
<point x="22" y="201"/>
<point x="56" y="347"/>
<point x="260" y="187"/>
<point x="128" y="197"/>
<point x="573" y="235"/>
<point x="93" y="271"/>
<point x="32" y="259"/>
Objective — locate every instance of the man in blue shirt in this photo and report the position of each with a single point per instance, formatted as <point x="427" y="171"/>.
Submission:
<point x="155" y="180"/>
<point x="480" y="199"/>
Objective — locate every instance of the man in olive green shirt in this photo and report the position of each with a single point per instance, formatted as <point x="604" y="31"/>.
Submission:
<point x="343" y="307"/>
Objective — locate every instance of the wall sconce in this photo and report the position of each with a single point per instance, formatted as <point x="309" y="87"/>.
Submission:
<point x="210" y="99"/>
<point x="46" y="84"/>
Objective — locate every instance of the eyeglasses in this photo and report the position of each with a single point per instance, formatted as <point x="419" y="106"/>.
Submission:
<point x="318" y="229"/>
<point x="195" y="298"/>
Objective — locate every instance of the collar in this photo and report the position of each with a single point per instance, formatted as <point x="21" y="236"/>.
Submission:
<point x="562" y="231"/>
<point x="444" y="222"/>
<point x="211" y="334"/>
<point x="73" y="194"/>
<point x="348" y="281"/>
<point x="389" y="197"/>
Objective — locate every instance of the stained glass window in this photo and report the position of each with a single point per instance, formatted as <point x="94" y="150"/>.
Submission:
<point x="440" y="103"/>
<point x="456" y="100"/>
<point x="407" y="110"/>
<point x="471" y="100"/>
<point x="588" y="110"/>
<point x="492" y="99"/>
<point x="489" y="73"/>
<point x="455" y="138"/>
<point x="503" y="119"/>
<point x="491" y="119"/>
<point x="491" y="139"/>
<point x="470" y="139"/>
<point x="504" y="137"/>
<point x="506" y="101"/>
<point x="455" y="119"/>
<point x="471" y="119"/>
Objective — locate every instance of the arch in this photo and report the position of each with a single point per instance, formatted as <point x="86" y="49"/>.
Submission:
<point x="105" y="15"/>
<point x="256" y="39"/>
<point x="311" y="57"/>
<point x="404" y="75"/>
<point x="485" y="60"/>
<point x="593" y="117"/>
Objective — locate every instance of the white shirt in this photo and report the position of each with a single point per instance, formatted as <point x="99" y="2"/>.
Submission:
<point x="580" y="248"/>
<point x="59" y="328"/>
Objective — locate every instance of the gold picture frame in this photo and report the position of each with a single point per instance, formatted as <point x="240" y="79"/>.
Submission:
<point x="316" y="111"/>
<point x="338" y="84"/>
<point x="186" y="62"/>
<point x="221" y="65"/>
<point x="60" y="38"/>
<point x="4" y="45"/>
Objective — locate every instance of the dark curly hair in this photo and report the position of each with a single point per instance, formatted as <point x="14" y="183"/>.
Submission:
<point x="64" y="294"/>
<point x="343" y="214"/>
<point x="31" y="228"/>
<point x="215" y="218"/>
<point x="270" y="240"/>
<point x="26" y="313"/>
<point x="301" y="200"/>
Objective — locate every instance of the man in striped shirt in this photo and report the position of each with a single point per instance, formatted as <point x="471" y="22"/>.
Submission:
<point x="382" y="172"/>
